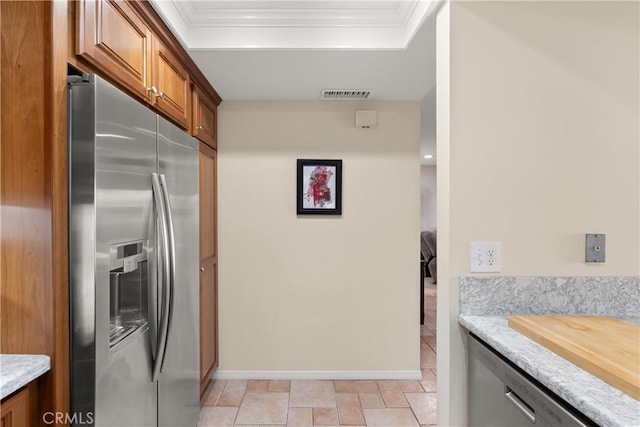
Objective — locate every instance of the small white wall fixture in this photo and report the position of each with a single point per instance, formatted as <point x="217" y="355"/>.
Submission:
<point x="366" y="119"/>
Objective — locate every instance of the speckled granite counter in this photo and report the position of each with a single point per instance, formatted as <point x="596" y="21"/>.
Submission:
<point x="596" y="399"/>
<point x="17" y="370"/>
<point x="486" y="302"/>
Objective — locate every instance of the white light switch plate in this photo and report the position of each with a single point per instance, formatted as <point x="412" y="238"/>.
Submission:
<point x="484" y="257"/>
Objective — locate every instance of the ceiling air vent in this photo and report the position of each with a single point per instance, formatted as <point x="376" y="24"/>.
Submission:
<point x="344" y="95"/>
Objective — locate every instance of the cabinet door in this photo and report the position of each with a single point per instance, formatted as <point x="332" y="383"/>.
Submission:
<point x="208" y="265"/>
<point x="208" y="323"/>
<point x="171" y="83"/>
<point x="112" y="37"/>
<point x="204" y="117"/>
<point x="15" y="410"/>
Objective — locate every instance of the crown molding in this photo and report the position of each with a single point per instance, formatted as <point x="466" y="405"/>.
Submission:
<point x="289" y="24"/>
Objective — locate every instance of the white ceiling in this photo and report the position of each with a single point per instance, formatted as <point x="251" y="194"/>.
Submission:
<point x="292" y="49"/>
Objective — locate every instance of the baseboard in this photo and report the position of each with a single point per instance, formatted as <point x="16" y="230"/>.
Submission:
<point x="316" y="375"/>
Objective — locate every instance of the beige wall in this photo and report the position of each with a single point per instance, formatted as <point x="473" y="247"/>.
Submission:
<point x="311" y="295"/>
<point x="544" y="146"/>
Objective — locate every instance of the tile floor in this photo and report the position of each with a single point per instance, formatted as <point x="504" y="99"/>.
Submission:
<point x="301" y="403"/>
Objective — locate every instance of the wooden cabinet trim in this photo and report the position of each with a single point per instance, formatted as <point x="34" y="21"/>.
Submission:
<point x="55" y="393"/>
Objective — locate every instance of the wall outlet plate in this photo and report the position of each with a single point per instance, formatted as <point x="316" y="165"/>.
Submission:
<point x="594" y="248"/>
<point x="484" y="257"/>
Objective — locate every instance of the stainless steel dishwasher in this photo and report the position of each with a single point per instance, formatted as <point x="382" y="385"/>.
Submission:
<point x="499" y="395"/>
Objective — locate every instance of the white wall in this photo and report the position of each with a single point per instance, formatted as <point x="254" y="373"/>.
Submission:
<point x="542" y="124"/>
<point x="428" y="193"/>
<point x="318" y="296"/>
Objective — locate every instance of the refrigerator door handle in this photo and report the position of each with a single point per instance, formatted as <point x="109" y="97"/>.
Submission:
<point x="172" y="249"/>
<point x="163" y="327"/>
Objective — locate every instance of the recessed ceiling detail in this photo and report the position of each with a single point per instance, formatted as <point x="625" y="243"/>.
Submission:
<point x="295" y="24"/>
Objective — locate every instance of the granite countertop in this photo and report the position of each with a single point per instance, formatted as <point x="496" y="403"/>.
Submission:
<point x="602" y="403"/>
<point x="17" y="370"/>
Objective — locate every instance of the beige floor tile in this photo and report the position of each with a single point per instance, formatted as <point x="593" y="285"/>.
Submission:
<point x="427" y="358"/>
<point x="424" y="331"/>
<point x="431" y="324"/>
<point x="246" y="425"/>
<point x="300" y="417"/>
<point x="215" y="390"/>
<point x="429" y="305"/>
<point x="410" y="386"/>
<point x="325" y="416"/>
<point x="279" y="385"/>
<point x="258" y="385"/>
<point x="217" y="417"/>
<point x="309" y="393"/>
<point x="423" y="406"/>
<point x="371" y="401"/>
<point x="396" y="417"/>
<point x="349" y="409"/>
<point x="355" y="386"/>
<point x="232" y="393"/>
<point x="263" y="408"/>
<point x="428" y="382"/>
<point x="392" y="395"/>
<point x="431" y="342"/>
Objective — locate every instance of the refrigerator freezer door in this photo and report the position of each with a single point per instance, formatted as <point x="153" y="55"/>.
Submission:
<point x="178" y="387"/>
<point x="125" y="158"/>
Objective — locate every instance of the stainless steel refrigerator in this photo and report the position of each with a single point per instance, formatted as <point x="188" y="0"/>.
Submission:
<point x="133" y="262"/>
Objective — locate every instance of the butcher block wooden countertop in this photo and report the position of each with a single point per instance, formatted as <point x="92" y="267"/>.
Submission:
<point x="605" y="347"/>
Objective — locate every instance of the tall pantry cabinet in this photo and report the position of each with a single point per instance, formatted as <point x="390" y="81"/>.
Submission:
<point x="208" y="266"/>
<point x="204" y="126"/>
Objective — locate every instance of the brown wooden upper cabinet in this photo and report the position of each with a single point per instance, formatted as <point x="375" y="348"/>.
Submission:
<point x="170" y="84"/>
<point x="204" y="121"/>
<point x="114" y="38"/>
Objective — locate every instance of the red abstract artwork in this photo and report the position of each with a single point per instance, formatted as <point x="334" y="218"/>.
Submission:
<point x="319" y="186"/>
<point x="318" y="191"/>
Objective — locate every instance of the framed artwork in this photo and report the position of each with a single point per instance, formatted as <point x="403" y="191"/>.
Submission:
<point x="319" y="187"/>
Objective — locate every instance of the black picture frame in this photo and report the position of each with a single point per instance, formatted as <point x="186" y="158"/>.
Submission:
<point x="319" y="187"/>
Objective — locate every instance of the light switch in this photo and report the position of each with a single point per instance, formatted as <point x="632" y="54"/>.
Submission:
<point x="594" y="248"/>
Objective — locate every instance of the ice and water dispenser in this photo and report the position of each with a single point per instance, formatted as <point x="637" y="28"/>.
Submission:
<point x="128" y="290"/>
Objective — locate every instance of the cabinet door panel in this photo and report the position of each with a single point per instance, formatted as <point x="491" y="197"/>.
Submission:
<point x="111" y="36"/>
<point x="172" y="82"/>
<point x="15" y="410"/>
<point x="204" y="118"/>
<point x="208" y="323"/>
<point x="208" y="212"/>
<point x="208" y="266"/>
